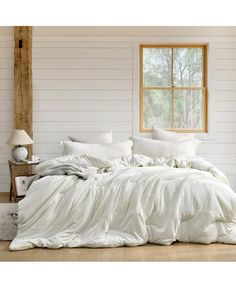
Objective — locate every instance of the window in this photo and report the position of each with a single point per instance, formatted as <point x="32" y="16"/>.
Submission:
<point x="173" y="93"/>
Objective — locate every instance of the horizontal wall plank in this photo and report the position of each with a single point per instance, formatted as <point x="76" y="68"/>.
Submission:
<point x="4" y="171"/>
<point x="4" y="137"/>
<point x="6" y="43"/>
<point x="6" y="74"/>
<point x="225" y="106"/>
<point x="225" y="64"/>
<point x="7" y="38"/>
<point x="81" y="53"/>
<point x="6" y="126"/>
<point x="4" y="160"/>
<point x="6" y="52"/>
<point x="82" y="84"/>
<point x="229" y="137"/>
<point x="79" y="38"/>
<point x="6" y="95"/>
<point x="212" y="148"/>
<point x="82" y="116"/>
<point x="5" y="149"/>
<point x="221" y="158"/>
<point x="225" y="53"/>
<point x="46" y="156"/>
<point x="82" y="95"/>
<point x="58" y="74"/>
<point x="6" y="84"/>
<point x="5" y="116"/>
<point x="64" y="43"/>
<point x="223" y="96"/>
<point x="229" y="74"/>
<point x="227" y="169"/>
<point x="226" y="116"/>
<point x="83" y="126"/>
<point x="82" y="106"/>
<point x="48" y="148"/>
<point x="80" y="63"/>
<point x="225" y="127"/>
<point x="225" y="85"/>
<point x="6" y="63"/>
<point x="225" y="45"/>
<point x="6" y="105"/>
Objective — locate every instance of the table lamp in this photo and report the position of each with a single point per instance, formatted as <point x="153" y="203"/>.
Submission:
<point x="19" y="138"/>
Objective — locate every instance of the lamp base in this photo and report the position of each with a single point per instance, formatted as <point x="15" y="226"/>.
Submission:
<point x="19" y="153"/>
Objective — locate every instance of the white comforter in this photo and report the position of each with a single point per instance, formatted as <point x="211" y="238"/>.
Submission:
<point x="128" y="205"/>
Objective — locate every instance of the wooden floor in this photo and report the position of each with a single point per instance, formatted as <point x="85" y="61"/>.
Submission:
<point x="174" y="252"/>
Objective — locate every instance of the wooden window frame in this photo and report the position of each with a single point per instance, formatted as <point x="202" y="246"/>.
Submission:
<point x="203" y="87"/>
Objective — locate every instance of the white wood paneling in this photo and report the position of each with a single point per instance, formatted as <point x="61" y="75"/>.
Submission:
<point x="82" y="106"/>
<point x="78" y="74"/>
<point x="81" y="53"/>
<point x="72" y="43"/>
<point x="81" y="86"/>
<point x="6" y="102"/>
<point x="83" y="95"/>
<point x="85" y="116"/>
<point x="82" y="126"/>
<point x="55" y="64"/>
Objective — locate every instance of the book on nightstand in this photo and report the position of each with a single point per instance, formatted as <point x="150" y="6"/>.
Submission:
<point x="28" y="161"/>
<point x="22" y="184"/>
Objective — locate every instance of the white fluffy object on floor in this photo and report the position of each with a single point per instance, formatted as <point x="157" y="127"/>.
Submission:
<point x="8" y="220"/>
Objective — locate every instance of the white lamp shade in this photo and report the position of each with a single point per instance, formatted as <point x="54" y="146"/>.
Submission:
<point x="19" y="137"/>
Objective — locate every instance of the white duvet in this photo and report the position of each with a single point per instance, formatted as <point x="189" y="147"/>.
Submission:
<point x="128" y="205"/>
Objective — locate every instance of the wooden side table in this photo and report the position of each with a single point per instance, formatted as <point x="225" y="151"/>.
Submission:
<point x="19" y="169"/>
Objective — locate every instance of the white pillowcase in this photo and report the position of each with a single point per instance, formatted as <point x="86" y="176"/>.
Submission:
<point x="96" y="150"/>
<point x="95" y="138"/>
<point x="157" y="148"/>
<point x="163" y="135"/>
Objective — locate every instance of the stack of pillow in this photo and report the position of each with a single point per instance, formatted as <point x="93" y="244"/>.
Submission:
<point x="99" y="145"/>
<point x="166" y="144"/>
<point x="163" y="144"/>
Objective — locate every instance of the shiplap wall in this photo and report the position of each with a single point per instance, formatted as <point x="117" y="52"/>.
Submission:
<point x="81" y="85"/>
<point x="6" y="102"/>
<point x="85" y="80"/>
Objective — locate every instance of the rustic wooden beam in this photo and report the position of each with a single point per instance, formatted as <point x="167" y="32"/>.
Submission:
<point x="23" y="80"/>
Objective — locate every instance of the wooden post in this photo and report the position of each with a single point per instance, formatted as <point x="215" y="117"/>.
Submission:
<point x="23" y="80"/>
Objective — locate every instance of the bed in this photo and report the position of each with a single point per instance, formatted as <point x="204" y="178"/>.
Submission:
<point x="82" y="200"/>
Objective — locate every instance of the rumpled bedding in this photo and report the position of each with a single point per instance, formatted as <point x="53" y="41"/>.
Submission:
<point x="130" y="201"/>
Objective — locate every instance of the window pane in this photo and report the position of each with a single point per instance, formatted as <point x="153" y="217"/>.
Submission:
<point x="188" y="109"/>
<point x="157" y="108"/>
<point x="157" y="66"/>
<point x="188" y="67"/>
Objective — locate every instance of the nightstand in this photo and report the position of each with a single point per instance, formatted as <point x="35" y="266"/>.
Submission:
<point x="19" y="169"/>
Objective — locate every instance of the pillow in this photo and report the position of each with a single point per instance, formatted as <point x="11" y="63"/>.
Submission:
<point x="98" y="138"/>
<point x="160" y="134"/>
<point x="157" y="148"/>
<point x="96" y="150"/>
